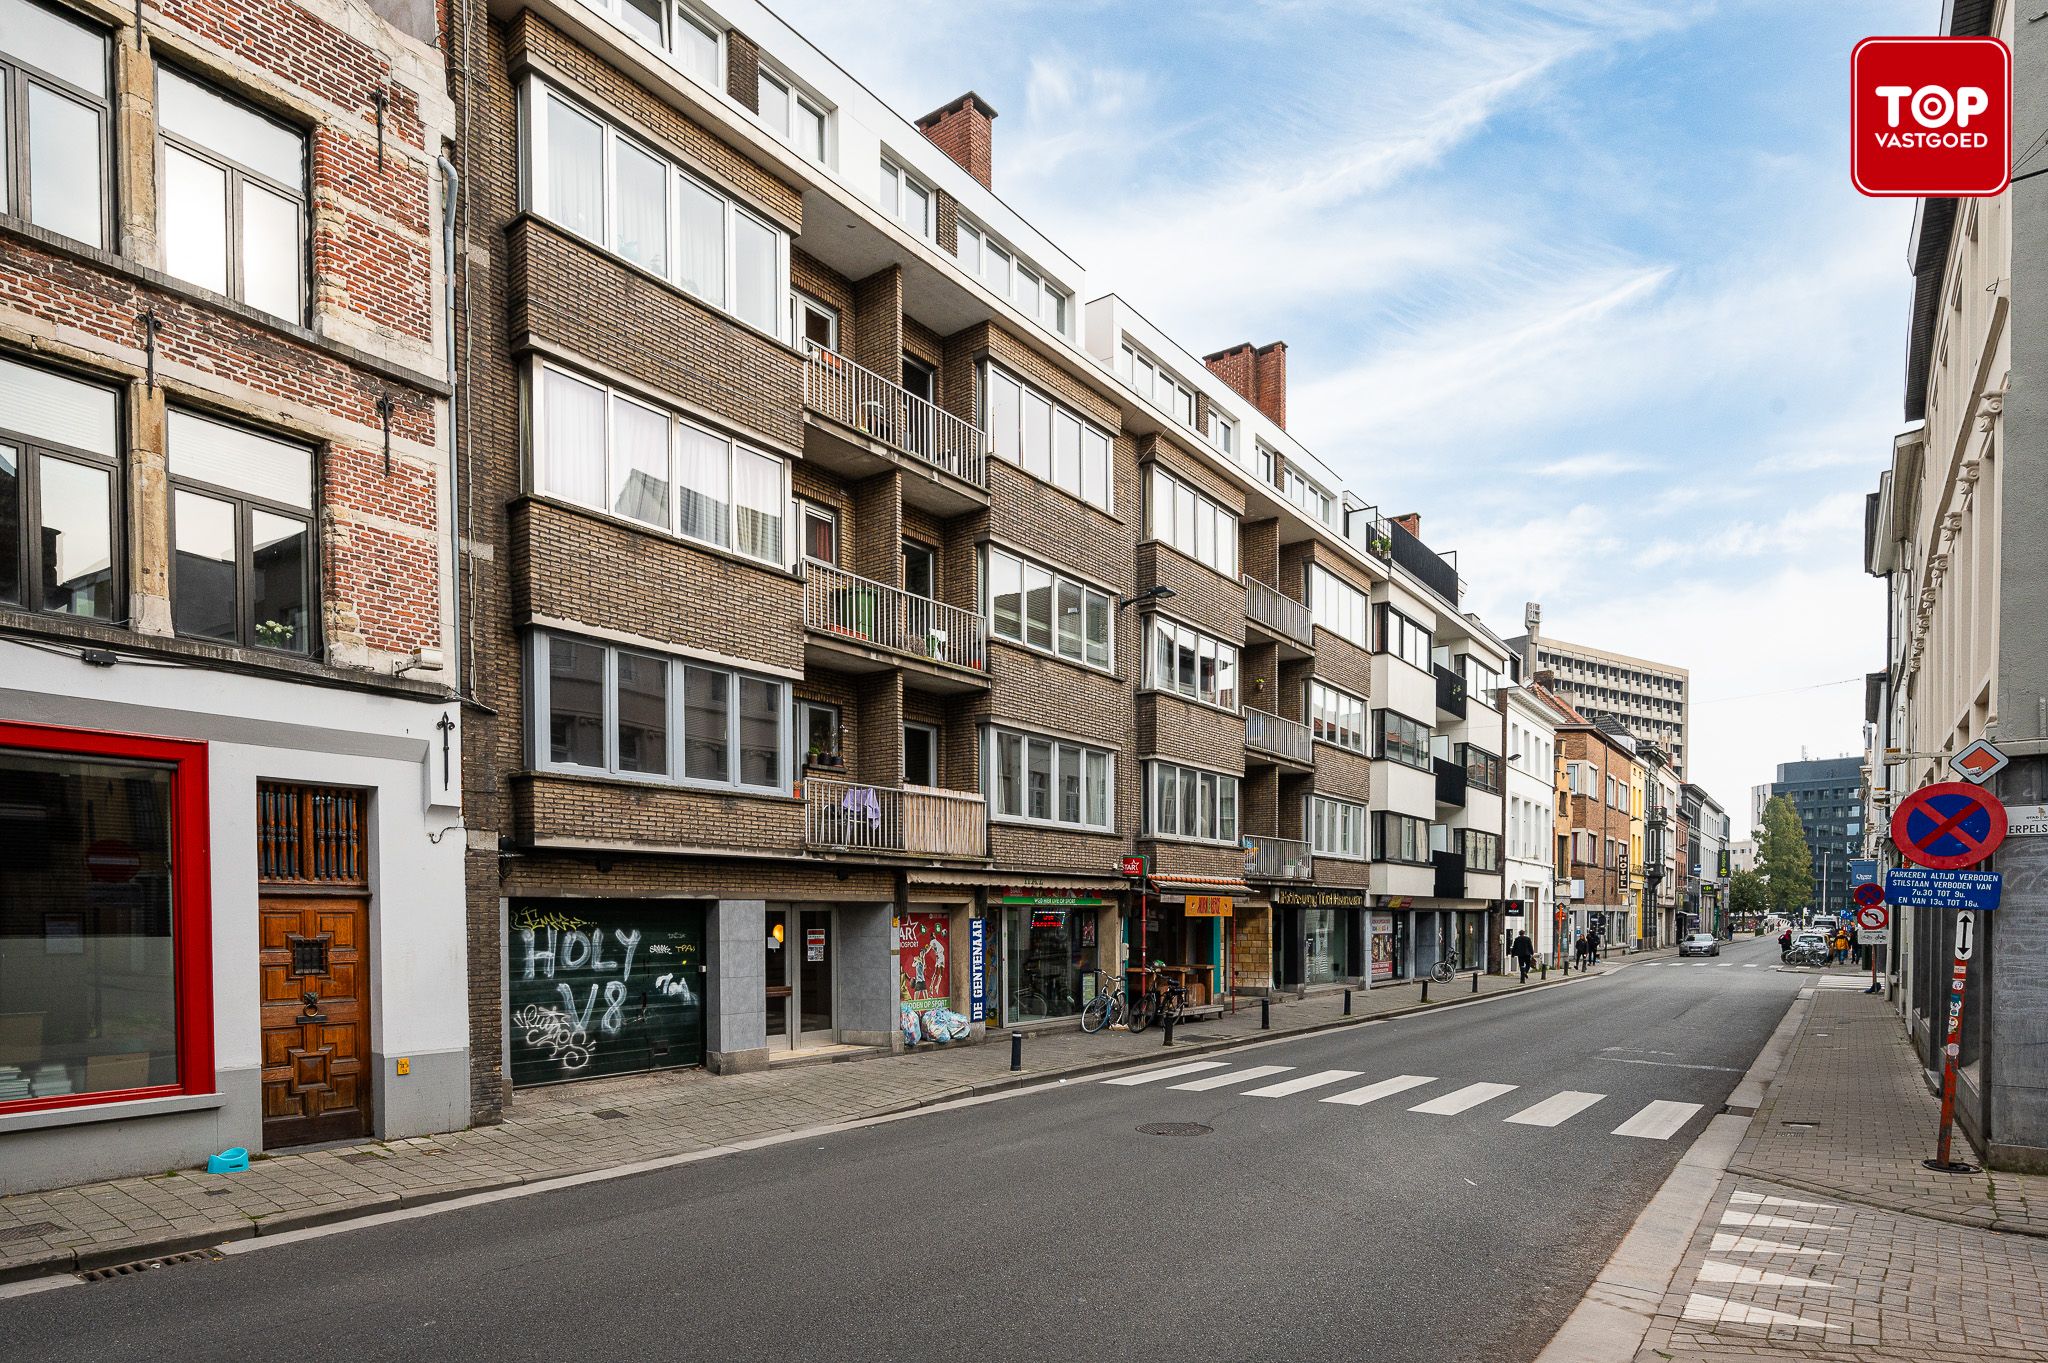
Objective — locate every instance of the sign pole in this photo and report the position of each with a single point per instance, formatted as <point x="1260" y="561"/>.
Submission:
<point x="1966" y="934"/>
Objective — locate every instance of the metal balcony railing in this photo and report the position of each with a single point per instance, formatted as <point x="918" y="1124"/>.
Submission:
<point x="1269" y="733"/>
<point x="1450" y="783"/>
<point x="1450" y="692"/>
<point x="914" y="820"/>
<point x="1278" y="612"/>
<point x="1279" y="859"/>
<point x="886" y="617"/>
<point x="836" y="387"/>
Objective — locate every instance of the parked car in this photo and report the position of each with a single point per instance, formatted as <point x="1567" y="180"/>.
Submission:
<point x="1700" y="944"/>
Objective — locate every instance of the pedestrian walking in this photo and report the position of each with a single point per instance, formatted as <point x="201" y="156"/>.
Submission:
<point x="1841" y="945"/>
<point x="1524" y="952"/>
<point x="1579" y="951"/>
<point x="1785" y="945"/>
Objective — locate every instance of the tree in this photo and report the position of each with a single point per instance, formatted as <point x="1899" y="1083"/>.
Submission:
<point x="1749" y="899"/>
<point x="1784" y="858"/>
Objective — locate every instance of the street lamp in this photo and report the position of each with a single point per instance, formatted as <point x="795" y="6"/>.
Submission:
<point x="1159" y="593"/>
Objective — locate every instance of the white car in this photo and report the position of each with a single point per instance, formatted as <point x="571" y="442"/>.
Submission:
<point x="1700" y="944"/>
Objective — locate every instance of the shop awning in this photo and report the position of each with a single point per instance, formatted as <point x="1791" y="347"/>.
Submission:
<point x="1229" y="885"/>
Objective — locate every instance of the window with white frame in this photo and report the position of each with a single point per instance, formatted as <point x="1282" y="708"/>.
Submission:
<point x="1263" y="461"/>
<point x="1035" y="779"/>
<point x="907" y="199"/>
<point x="1336" y="605"/>
<point x="1338" y="828"/>
<point x="1403" y="638"/>
<point x="1031" y="604"/>
<point x="792" y="115"/>
<point x="1310" y="497"/>
<point x="634" y="712"/>
<point x="1223" y="434"/>
<point x="233" y="197"/>
<point x="56" y="120"/>
<point x="595" y="180"/>
<point x="989" y="260"/>
<point x="1481" y="681"/>
<point x="1482" y="850"/>
<point x="692" y="41"/>
<point x="1401" y="837"/>
<point x="1336" y="716"/>
<point x="1401" y="739"/>
<point x="1190" y="803"/>
<point x="1190" y="663"/>
<point x="1195" y="524"/>
<point x="1156" y="384"/>
<point x="1045" y="438"/>
<point x="614" y="451"/>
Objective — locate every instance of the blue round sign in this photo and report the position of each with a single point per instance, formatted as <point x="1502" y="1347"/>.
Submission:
<point x="1948" y="826"/>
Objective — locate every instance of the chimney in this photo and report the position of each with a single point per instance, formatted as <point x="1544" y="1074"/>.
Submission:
<point x="1412" y="523"/>
<point x="963" y="130"/>
<point x="1259" y="376"/>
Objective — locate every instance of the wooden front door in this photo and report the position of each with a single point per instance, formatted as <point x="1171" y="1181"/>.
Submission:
<point x="316" y="1018"/>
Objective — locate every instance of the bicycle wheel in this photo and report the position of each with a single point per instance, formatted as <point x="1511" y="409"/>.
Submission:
<point x="1140" y="1016"/>
<point x="1171" y="1008"/>
<point x="1443" y="972"/>
<point x="1031" y="1004"/>
<point x="1096" y="1015"/>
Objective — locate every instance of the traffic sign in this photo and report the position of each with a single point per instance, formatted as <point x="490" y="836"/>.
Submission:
<point x="1966" y="936"/>
<point x="1979" y="762"/>
<point x="1873" y="918"/>
<point x="1915" y="888"/>
<point x="1868" y="895"/>
<point x="1948" y="826"/>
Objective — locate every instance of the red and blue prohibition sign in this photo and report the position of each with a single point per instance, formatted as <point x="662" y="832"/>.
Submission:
<point x="1868" y="895"/>
<point x="1948" y="826"/>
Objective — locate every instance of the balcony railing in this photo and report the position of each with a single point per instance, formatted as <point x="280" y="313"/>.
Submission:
<point x="1279" y="859"/>
<point x="1451" y="780"/>
<point x="1450" y="692"/>
<point x="836" y="387"/>
<point x="911" y="820"/>
<point x="1450" y="874"/>
<point x="1279" y="613"/>
<point x="1269" y="733"/>
<point x="886" y="617"/>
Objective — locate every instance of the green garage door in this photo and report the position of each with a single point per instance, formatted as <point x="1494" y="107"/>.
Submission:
<point x="604" y="987"/>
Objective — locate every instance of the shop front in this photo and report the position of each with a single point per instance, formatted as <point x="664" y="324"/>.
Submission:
<point x="1321" y="940"/>
<point x="1184" y="930"/>
<point x="1048" y="956"/>
<point x="606" y="986"/>
<point x="1389" y="932"/>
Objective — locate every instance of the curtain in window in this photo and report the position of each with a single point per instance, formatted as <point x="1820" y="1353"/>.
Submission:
<point x="753" y="274"/>
<point x="639" y="462"/>
<point x="700" y="257"/>
<point x="703" y="484"/>
<point x="575" y="170"/>
<point x="570" y="460"/>
<point x="757" y="493"/>
<point x="640" y="185"/>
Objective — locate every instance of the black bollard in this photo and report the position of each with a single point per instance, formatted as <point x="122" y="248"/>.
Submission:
<point x="1265" y="1014"/>
<point x="1543" y="971"/>
<point x="1166" y="1031"/>
<point x="1016" y="1051"/>
<point x="1475" y="981"/>
<point x="1347" y="1003"/>
<point x="1425" y="991"/>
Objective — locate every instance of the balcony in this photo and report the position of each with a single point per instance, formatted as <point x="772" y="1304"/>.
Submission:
<point x="1450" y="783"/>
<point x="910" y="821"/>
<point x="1276" y="737"/>
<point x="1276" y="614"/>
<point x="873" y="415"/>
<point x="1450" y="874"/>
<point x="1432" y="569"/>
<point x="860" y="625"/>
<point x="1279" y="859"/>
<point x="1450" y="692"/>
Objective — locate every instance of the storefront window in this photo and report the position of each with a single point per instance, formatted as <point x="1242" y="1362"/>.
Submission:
<point x="1048" y="949"/>
<point x="1388" y="946"/>
<point x="1471" y="932"/>
<point x="1327" y="938"/>
<point x="89" y="1000"/>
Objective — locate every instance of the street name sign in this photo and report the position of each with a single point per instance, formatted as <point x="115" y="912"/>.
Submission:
<point x="2026" y="821"/>
<point x="1948" y="826"/>
<point x="1924" y="889"/>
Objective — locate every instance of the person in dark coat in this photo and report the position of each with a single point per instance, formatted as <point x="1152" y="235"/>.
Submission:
<point x="1785" y="944"/>
<point x="1524" y="952"/>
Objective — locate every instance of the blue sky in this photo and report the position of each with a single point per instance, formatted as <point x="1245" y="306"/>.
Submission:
<point x="1582" y="282"/>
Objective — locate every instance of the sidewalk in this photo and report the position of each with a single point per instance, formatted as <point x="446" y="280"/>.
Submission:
<point x="610" y="1123"/>
<point x="1826" y="1238"/>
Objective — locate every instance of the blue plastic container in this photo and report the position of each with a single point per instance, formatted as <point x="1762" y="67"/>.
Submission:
<point x="228" y="1161"/>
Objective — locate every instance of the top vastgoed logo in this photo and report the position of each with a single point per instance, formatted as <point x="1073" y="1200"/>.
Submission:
<point x="1930" y="117"/>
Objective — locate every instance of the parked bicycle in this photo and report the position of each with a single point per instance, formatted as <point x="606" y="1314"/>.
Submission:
<point x="1167" y="997"/>
<point x="1106" y="1009"/>
<point x="1446" y="968"/>
<point x="1807" y="953"/>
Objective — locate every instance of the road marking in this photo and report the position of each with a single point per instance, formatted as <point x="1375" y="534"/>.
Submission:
<point x="1725" y="1243"/>
<point x="1170" y="1072"/>
<point x="1307" y="1081"/>
<point x="1749" y="965"/>
<point x="1658" y="1121"/>
<point x="1714" y="1271"/>
<point x="1758" y="1219"/>
<point x="1384" y="1088"/>
<point x="1463" y="1100"/>
<point x="1561" y="1107"/>
<point x="1759" y="1200"/>
<point x="1719" y="1311"/>
<point x="1217" y="1081"/>
<point x="1667" y="1064"/>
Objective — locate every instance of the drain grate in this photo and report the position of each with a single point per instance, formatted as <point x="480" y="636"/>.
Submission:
<point x="1174" y="1129"/>
<point x="197" y="1256"/>
<point x="1799" y="1125"/>
<point x="26" y="1230"/>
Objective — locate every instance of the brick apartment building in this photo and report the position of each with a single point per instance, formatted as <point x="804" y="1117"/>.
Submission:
<point x="1599" y="832"/>
<point x="861" y="623"/>
<point x="229" y="753"/>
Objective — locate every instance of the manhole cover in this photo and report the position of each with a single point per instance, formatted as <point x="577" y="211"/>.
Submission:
<point x="1174" y="1129"/>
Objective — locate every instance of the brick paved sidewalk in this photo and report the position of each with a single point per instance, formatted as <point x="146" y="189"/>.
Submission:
<point x="608" y="1123"/>
<point x="1827" y="1239"/>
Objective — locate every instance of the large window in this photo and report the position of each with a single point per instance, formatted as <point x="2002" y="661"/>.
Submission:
<point x="1049" y="441"/>
<point x="986" y="258"/>
<point x="1401" y="739"/>
<point x="1310" y="497"/>
<point x="1482" y="850"/>
<point x="105" y="962"/>
<point x="1033" y="605"/>
<point x="1401" y="837"/>
<point x="1481" y="682"/>
<point x="1032" y="779"/>
<point x="242" y="535"/>
<point x="54" y="120"/>
<point x="1190" y="663"/>
<point x="1187" y="802"/>
<point x="1482" y="768"/>
<point x="1178" y="515"/>
<point x="792" y="115"/>
<point x="1336" y="716"/>
<point x="592" y="179"/>
<point x="629" y="712"/>
<point x="60" y="537"/>
<point x="1404" y="638"/>
<point x="607" y="449"/>
<point x="232" y="197"/>
<point x="1157" y="385"/>
<point x="907" y="199"/>
<point x="691" y="40"/>
<point x="1338" y="827"/>
<point x="1336" y="605"/>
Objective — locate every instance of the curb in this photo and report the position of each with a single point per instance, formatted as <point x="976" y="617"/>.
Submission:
<point x="87" y="1258"/>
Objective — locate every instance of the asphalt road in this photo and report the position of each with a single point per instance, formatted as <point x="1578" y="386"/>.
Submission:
<point x="1047" y="1225"/>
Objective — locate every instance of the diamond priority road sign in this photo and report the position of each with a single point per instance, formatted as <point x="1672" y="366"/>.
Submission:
<point x="1924" y="889"/>
<point x="1979" y="762"/>
<point x="1948" y="826"/>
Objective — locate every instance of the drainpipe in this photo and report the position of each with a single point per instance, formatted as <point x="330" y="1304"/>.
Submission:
<point x="452" y="182"/>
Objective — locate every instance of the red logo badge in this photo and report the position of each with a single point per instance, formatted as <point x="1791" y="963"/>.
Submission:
<point x="1930" y="117"/>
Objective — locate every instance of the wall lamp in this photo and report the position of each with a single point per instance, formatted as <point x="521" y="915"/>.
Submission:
<point x="1160" y="593"/>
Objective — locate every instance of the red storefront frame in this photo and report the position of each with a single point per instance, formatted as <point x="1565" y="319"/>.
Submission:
<point x="191" y="898"/>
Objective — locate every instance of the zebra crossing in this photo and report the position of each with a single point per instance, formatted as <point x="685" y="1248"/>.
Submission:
<point x="1655" y="1121"/>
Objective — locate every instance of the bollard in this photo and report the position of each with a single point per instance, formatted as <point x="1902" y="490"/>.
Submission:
<point x="1347" y="1003"/>
<point x="1016" y="1051"/>
<point x="1425" y="991"/>
<point x="1265" y="1014"/>
<point x="1543" y="971"/>
<point x="1166" y="1031"/>
<point x="1475" y="981"/>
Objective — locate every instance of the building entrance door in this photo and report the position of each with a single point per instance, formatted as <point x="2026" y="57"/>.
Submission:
<point x="316" y="1018"/>
<point x="814" y="978"/>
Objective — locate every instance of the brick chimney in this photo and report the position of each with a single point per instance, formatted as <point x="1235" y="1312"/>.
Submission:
<point x="964" y="131"/>
<point x="1258" y="375"/>
<point x="1412" y="523"/>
